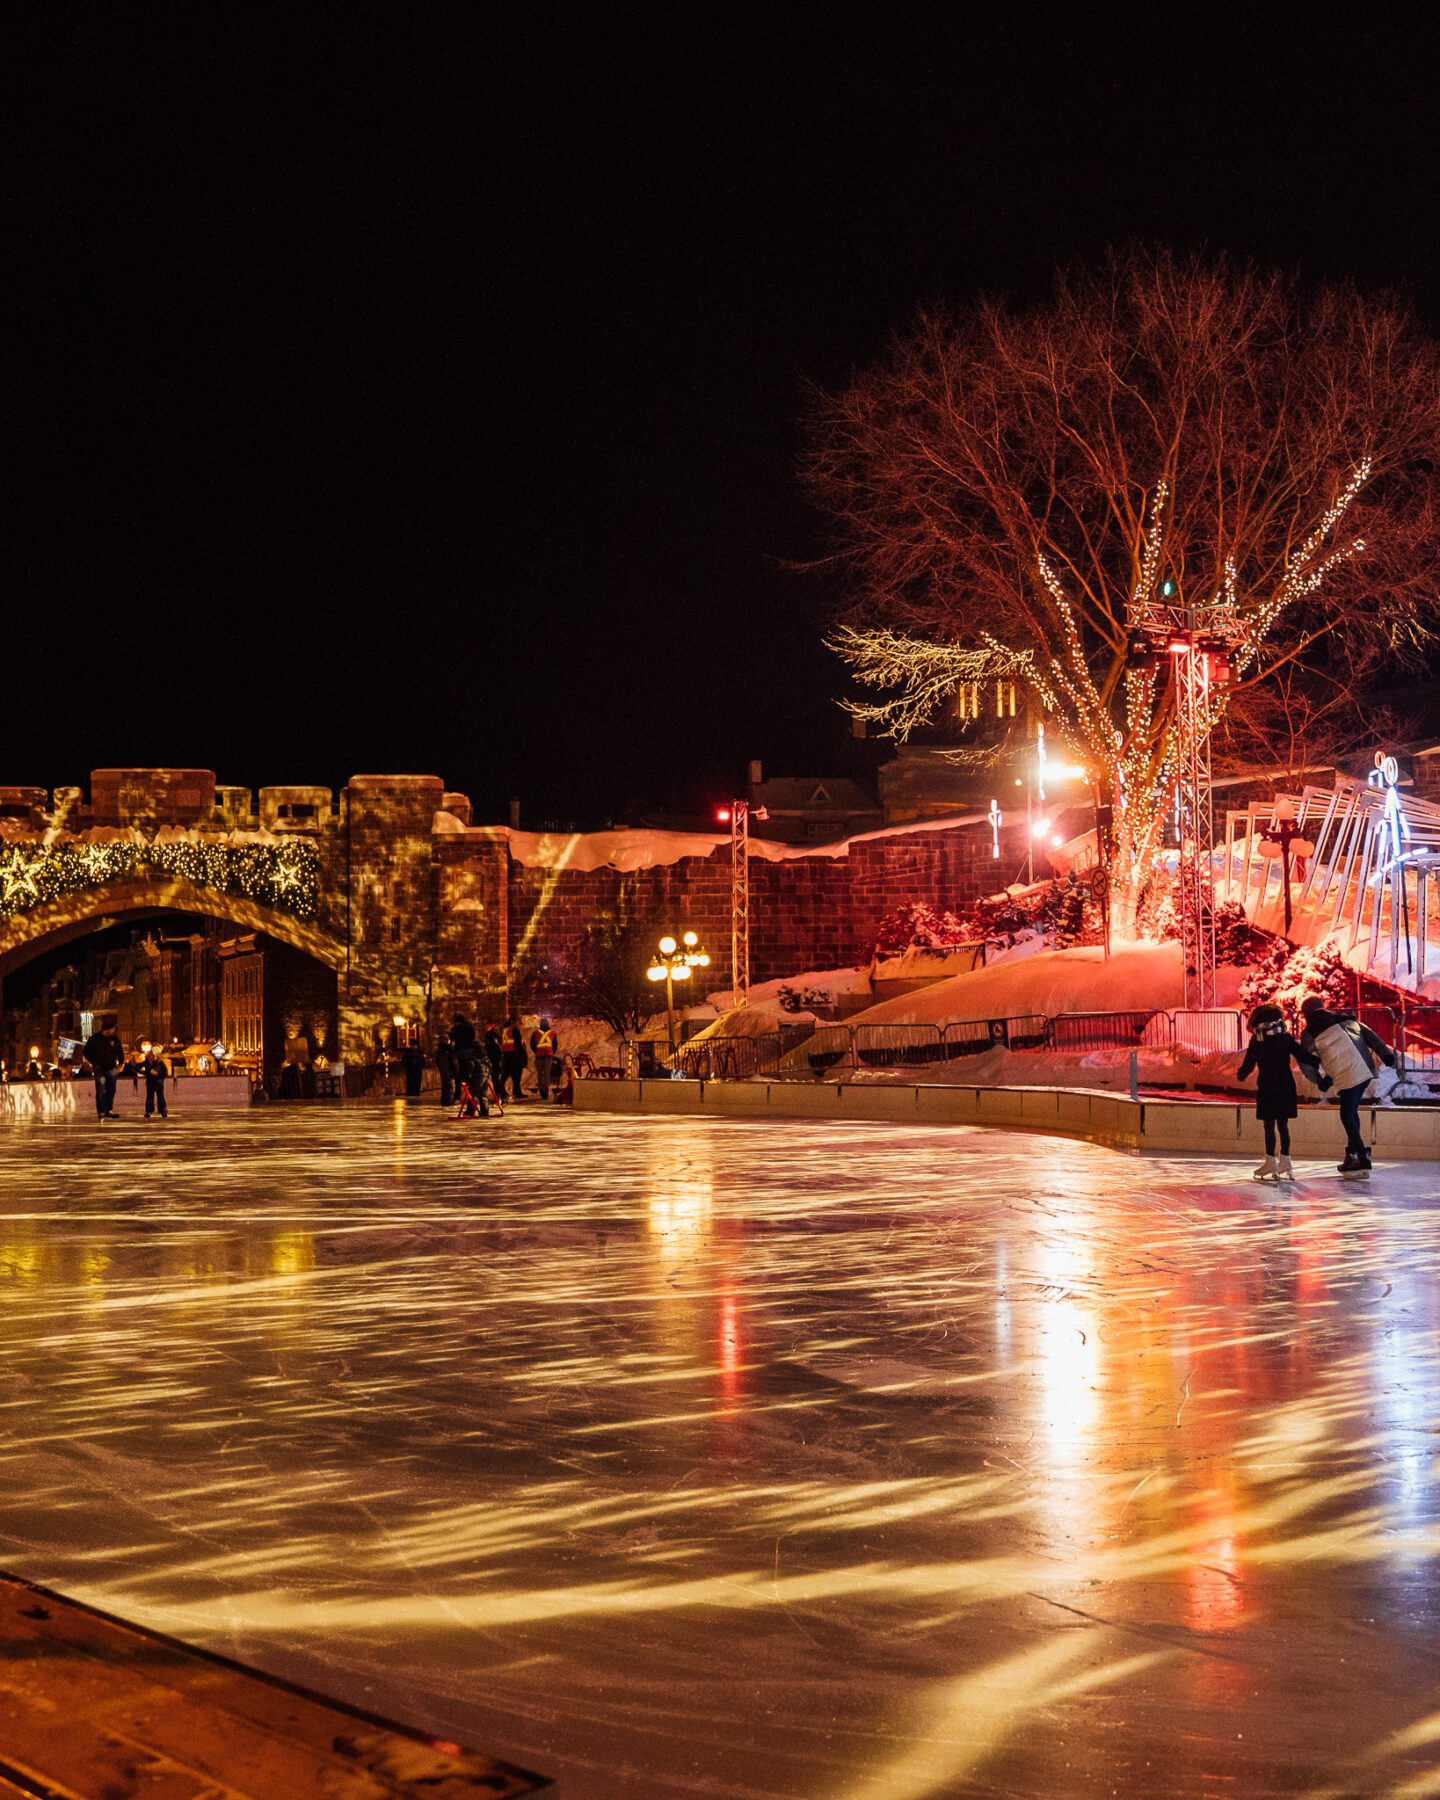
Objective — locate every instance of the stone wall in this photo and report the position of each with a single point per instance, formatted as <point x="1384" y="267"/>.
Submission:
<point x="806" y="912"/>
<point x="420" y="911"/>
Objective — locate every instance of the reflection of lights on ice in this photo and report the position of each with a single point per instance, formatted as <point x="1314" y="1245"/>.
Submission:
<point x="370" y="1396"/>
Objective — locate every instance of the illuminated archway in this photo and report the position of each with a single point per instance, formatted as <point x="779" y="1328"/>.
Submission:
<point x="27" y="935"/>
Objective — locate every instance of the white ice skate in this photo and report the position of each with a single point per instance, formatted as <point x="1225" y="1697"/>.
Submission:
<point x="1284" y="1169"/>
<point x="1267" y="1170"/>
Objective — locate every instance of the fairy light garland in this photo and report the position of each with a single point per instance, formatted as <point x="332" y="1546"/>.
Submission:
<point x="285" y="876"/>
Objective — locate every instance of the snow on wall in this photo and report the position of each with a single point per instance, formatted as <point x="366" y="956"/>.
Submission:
<point x="643" y="848"/>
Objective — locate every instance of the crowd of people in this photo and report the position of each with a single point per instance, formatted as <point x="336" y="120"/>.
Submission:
<point x="482" y="1070"/>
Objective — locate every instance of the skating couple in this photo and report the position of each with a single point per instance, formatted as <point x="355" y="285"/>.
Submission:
<point x="1336" y="1051"/>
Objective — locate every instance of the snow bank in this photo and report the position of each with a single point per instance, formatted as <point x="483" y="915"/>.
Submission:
<point x="763" y="1012"/>
<point x="1051" y="981"/>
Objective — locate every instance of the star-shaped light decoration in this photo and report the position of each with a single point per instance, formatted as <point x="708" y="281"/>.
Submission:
<point x="289" y="874"/>
<point x="95" y="861"/>
<point x="17" y="880"/>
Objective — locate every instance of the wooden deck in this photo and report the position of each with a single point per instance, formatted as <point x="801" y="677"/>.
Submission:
<point x="95" y="1709"/>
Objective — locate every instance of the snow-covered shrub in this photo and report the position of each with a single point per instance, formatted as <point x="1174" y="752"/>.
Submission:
<point x="805" y="999"/>
<point x="1317" y="969"/>
<point x="917" y="926"/>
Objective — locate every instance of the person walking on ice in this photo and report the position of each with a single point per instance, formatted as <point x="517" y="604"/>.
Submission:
<point x="156" y="1074"/>
<point x="1269" y="1056"/>
<point x="1346" y="1050"/>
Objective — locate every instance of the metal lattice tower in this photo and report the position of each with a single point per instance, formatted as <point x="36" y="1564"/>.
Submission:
<point x="1197" y="826"/>
<point x="1197" y="640"/>
<point x="740" y="899"/>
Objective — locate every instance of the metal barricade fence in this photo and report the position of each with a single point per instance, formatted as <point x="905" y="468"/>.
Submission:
<point x="894" y="1046"/>
<point x="1421" y="1039"/>
<point x="1208" y="1033"/>
<point x="802" y="1052"/>
<point x="971" y="1037"/>
<point x="1384" y="1021"/>
<point x="827" y="1049"/>
<point x="731" y="1058"/>
<point x="1108" y="1030"/>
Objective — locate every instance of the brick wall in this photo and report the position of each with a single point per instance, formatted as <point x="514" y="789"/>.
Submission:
<point x="808" y="912"/>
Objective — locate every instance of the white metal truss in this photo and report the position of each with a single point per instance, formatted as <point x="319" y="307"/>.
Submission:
<point x="1369" y="878"/>
<point x="740" y="899"/>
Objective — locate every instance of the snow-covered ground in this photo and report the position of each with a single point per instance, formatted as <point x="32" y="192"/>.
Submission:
<point x="1054" y="981"/>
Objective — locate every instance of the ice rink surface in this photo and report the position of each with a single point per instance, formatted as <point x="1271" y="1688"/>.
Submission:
<point x="697" y="1457"/>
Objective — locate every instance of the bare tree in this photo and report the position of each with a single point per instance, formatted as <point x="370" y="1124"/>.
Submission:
<point x="605" y="978"/>
<point x="1006" y="484"/>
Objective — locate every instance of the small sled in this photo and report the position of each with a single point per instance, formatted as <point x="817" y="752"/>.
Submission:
<point x="478" y="1106"/>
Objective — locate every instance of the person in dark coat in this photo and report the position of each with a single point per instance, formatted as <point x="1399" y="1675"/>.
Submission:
<point x="1271" y="1051"/>
<point x="412" y="1061"/>
<point x="156" y="1074"/>
<point x="462" y="1041"/>
<point x="494" y="1052"/>
<point x="445" y="1067"/>
<point x="105" y="1053"/>
<point x="513" y="1056"/>
<point x="1347" y="1051"/>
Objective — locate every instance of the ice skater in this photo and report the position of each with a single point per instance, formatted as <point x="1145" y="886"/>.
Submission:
<point x="1271" y="1051"/>
<point x="1346" y="1050"/>
<point x="105" y="1053"/>
<point x="155" y="1073"/>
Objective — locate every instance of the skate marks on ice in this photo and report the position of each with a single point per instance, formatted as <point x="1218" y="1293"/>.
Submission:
<point x="686" y="1456"/>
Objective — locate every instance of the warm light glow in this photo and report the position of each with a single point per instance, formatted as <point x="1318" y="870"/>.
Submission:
<point x="35" y="1052"/>
<point x="703" y="960"/>
<point x="656" y="973"/>
<point x="681" y="971"/>
<point x="398" y="1020"/>
<point x="667" y="946"/>
<point x="722" y="814"/>
<point x="690" y="940"/>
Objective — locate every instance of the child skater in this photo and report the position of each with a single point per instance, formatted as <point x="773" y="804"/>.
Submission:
<point x="1276" y="1104"/>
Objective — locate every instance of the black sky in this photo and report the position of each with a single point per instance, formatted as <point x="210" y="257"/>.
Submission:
<point x="417" y="387"/>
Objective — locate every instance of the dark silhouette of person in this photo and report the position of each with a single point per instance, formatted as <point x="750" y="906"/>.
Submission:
<point x="155" y="1073"/>
<point x="105" y="1053"/>
<point x="445" y="1067"/>
<point x="513" y="1056"/>
<point x="463" y="1041"/>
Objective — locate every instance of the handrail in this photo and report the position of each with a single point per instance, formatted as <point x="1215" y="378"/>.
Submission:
<point x="794" y="1052"/>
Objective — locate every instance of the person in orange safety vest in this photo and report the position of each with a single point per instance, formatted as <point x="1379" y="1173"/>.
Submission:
<point x="544" y="1046"/>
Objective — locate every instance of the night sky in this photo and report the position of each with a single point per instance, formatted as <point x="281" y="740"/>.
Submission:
<point x="419" y="387"/>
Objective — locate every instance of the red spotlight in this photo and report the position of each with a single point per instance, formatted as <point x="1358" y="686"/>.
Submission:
<point x="722" y="815"/>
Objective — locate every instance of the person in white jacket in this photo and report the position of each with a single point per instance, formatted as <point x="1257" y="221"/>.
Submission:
<point x="1346" y="1051"/>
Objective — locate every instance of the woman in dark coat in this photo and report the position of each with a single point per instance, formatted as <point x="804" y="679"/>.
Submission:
<point x="1272" y="1049"/>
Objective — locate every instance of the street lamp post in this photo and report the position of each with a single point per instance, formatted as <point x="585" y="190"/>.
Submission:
<point x="673" y="963"/>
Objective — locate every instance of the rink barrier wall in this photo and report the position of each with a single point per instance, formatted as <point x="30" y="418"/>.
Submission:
<point x="1162" y="1127"/>
<point x="76" y="1099"/>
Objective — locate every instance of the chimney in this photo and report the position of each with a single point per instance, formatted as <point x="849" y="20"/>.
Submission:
<point x="757" y="773"/>
<point x="514" y="812"/>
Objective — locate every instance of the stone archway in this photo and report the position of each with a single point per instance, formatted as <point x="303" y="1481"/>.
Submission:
<point x="27" y="934"/>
